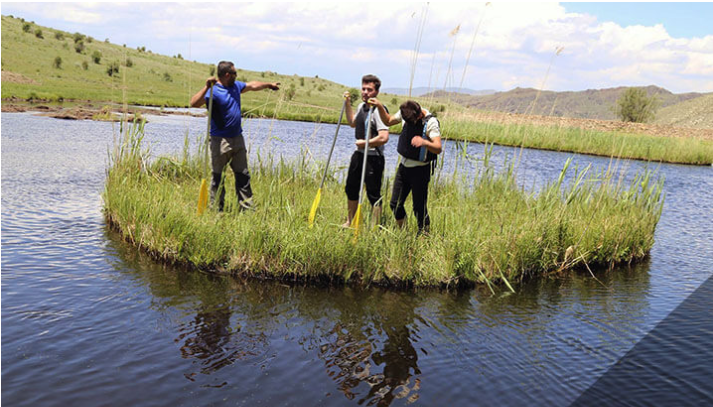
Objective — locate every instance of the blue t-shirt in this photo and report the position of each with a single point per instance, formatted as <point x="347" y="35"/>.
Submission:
<point x="225" y="120"/>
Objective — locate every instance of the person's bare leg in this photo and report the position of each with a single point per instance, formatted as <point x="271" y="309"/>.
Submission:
<point x="351" y="211"/>
<point x="376" y="214"/>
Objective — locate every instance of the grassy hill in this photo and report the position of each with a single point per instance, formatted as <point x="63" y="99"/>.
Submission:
<point x="44" y="64"/>
<point x="695" y="113"/>
<point x="29" y="72"/>
<point x="588" y="104"/>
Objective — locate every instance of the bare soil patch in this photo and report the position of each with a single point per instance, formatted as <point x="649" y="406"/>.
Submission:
<point x="17" y="78"/>
<point x="78" y="112"/>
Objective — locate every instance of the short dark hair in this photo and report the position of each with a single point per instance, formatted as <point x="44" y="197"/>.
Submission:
<point x="371" y="79"/>
<point x="410" y="111"/>
<point x="224" y="67"/>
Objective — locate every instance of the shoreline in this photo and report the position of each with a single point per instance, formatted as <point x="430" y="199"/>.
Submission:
<point x="663" y="139"/>
<point x="505" y="118"/>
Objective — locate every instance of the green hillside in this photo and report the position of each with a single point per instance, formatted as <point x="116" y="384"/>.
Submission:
<point x="695" y="113"/>
<point x="30" y="71"/>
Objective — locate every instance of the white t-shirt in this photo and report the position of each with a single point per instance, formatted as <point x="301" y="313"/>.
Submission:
<point x="432" y="130"/>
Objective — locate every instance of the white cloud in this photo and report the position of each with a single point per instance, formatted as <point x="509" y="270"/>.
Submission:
<point x="514" y="45"/>
<point x="699" y="64"/>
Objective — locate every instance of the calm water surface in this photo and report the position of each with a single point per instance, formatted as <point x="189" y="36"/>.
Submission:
<point x="89" y="320"/>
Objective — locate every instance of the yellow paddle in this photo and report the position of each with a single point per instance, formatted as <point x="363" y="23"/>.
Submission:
<point x="357" y="216"/>
<point x="203" y="193"/>
<point x="318" y="197"/>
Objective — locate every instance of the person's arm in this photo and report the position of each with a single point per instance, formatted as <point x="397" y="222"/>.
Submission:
<point x="349" y="112"/>
<point x="388" y="119"/>
<point x="198" y="99"/>
<point x="381" y="138"/>
<point x="256" y="85"/>
<point x="433" y="145"/>
<point x="382" y="134"/>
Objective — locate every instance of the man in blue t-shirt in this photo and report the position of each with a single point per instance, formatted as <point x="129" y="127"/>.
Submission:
<point x="227" y="144"/>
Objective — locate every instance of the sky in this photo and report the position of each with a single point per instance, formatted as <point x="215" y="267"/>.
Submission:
<point x="497" y="45"/>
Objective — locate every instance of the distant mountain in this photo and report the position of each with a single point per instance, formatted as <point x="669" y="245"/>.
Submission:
<point x="588" y="104"/>
<point x="695" y="113"/>
<point x="422" y="90"/>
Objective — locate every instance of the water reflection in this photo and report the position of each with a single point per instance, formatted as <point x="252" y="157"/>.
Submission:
<point x="373" y="343"/>
<point x="211" y="340"/>
<point x="365" y="337"/>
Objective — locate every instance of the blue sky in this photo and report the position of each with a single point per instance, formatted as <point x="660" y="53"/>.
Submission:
<point x="680" y="19"/>
<point x="498" y="45"/>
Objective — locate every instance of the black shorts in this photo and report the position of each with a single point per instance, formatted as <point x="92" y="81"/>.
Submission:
<point x="374" y="173"/>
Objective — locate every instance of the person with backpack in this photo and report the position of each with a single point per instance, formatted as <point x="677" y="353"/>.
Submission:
<point x="418" y="146"/>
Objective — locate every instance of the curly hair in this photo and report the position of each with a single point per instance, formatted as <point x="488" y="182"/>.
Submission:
<point x="410" y="111"/>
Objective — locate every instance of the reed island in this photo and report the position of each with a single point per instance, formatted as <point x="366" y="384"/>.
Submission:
<point x="485" y="228"/>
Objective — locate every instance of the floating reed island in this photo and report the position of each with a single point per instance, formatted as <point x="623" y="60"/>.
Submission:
<point x="487" y="230"/>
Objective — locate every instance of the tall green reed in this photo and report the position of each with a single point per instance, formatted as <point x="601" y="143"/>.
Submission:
<point x="485" y="228"/>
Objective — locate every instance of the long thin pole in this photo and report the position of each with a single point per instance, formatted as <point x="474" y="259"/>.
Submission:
<point x="203" y="192"/>
<point x="318" y="196"/>
<point x="467" y="59"/>
<point x="334" y="140"/>
<point x="207" y="138"/>
<point x="357" y="216"/>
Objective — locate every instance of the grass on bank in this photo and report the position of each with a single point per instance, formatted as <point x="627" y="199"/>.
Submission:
<point x="608" y="144"/>
<point x="487" y="231"/>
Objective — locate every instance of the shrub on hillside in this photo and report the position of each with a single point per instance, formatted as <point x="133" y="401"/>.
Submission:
<point x="635" y="105"/>
<point x="290" y="92"/>
<point x="27" y="27"/>
<point x="96" y="57"/>
<point x="38" y="34"/>
<point x="57" y="64"/>
<point x="354" y="95"/>
<point x="113" y="68"/>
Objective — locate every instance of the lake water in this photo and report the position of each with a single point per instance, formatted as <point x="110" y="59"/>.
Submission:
<point x="88" y="320"/>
